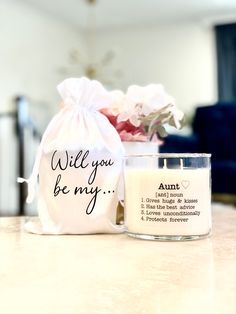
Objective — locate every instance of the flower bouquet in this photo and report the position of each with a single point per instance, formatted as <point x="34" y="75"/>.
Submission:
<point x="142" y="113"/>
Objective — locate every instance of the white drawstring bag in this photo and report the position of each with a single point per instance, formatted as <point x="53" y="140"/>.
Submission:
<point x="79" y="163"/>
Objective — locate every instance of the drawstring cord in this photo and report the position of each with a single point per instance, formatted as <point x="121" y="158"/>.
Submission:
<point x="32" y="180"/>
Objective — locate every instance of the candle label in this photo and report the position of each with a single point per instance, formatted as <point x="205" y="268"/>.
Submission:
<point x="164" y="205"/>
<point x="170" y="202"/>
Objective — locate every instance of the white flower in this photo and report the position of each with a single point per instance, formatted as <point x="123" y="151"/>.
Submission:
<point x="132" y="113"/>
<point x="117" y="104"/>
<point x="152" y="98"/>
<point x="177" y="116"/>
<point x="150" y="101"/>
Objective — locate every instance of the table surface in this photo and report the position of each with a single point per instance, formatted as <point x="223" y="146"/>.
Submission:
<point x="117" y="274"/>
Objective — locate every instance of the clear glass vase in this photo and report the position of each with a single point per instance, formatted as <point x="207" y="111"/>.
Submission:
<point x="136" y="148"/>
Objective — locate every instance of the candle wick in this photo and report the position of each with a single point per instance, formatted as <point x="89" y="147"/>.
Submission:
<point x="165" y="164"/>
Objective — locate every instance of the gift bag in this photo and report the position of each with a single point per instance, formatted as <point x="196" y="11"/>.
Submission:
<point x="78" y="165"/>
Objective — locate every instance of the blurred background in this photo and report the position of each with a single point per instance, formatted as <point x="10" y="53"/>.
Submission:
<point x="189" y="46"/>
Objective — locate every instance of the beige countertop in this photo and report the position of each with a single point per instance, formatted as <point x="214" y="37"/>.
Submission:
<point x="117" y="274"/>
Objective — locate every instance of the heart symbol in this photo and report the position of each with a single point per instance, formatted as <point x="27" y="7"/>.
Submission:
<point x="185" y="184"/>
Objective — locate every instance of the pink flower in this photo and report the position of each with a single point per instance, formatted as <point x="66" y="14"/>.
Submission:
<point x="127" y="131"/>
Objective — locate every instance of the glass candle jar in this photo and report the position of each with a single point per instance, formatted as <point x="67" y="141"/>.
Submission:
<point x="168" y="196"/>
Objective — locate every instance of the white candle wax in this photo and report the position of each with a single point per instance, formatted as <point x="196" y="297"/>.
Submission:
<point x="166" y="201"/>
